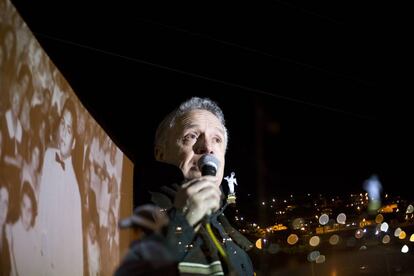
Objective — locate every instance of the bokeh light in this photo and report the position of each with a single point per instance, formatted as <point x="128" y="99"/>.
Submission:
<point x="404" y="249"/>
<point x="397" y="232"/>
<point x="323" y="219"/>
<point x="384" y="227"/>
<point x="292" y="239"/>
<point x="320" y="259"/>
<point x="314" y="241"/>
<point x="312" y="256"/>
<point x="297" y="223"/>
<point x="379" y="218"/>
<point x="402" y="235"/>
<point x="341" y="218"/>
<point x="259" y="243"/>
<point x="359" y="233"/>
<point x="334" y="239"/>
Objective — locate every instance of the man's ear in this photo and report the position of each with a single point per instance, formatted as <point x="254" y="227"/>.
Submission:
<point x="159" y="153"/>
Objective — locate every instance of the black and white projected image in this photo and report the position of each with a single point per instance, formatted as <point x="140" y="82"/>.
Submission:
<point x="60" y="173"/>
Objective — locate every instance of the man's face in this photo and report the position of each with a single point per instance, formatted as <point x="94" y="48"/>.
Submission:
<point x="65" y="134"/>
<point x="4" y="205"/>
<point x="26" y="212"/>
<point x="196" y="133"/>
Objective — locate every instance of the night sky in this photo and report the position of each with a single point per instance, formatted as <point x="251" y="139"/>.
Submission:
<point x="313" y="95"/>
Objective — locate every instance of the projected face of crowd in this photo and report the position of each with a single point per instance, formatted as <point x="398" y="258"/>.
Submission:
<point x="194" y="134"/>
<point x="111" y="222"/>
<point x="25" y="115"/>
<point x="27" y="210"/>
<point x="87" y="179"/>
<point x="97" y="173"/>
<point x="35" y="158"/>
<point x="4" y="205"/>
<point x="66" y="134"/>
<point x="92" y="232"/>
<point x="112" y="153"/>
<point x="42" y="131"/>
<point x="81" y="123"/>
<point x="24" y="82"/>
<point x="46" y="101"/>
<point x="16" y="100"/>
<point x="9" y="42"/>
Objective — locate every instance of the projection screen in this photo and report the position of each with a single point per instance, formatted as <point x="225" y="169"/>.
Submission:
<point x="64" y="184"/>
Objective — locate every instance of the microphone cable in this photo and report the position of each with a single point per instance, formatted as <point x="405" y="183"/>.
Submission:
<point x="217" y="243"/>
<point x="213" y="237"/>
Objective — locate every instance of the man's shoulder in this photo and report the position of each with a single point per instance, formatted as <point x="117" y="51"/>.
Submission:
<point x="152" y="177"/>
<point x="161" y="200"/>
<point x="153" y="248"/>
<point x="158" y="174"/>
<point x="149" y="256"/>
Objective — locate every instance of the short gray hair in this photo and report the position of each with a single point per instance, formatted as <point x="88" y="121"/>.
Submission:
<point x="191" y="104"/>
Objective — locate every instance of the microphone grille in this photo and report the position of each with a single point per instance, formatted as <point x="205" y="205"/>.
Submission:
<point x="208" y="160"/>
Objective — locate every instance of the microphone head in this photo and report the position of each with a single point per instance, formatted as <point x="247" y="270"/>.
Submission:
<point x="208" y="164"/>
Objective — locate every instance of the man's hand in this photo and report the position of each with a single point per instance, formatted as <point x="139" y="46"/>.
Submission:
<point x="197" y="198"/>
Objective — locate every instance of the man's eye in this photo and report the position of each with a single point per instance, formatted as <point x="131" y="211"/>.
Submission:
<point x="190" y="137"/>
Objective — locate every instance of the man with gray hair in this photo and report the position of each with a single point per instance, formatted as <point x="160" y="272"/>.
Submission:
<point x="194" y="138"/>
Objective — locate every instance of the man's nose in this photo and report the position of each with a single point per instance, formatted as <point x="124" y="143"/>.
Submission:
<point x="203" y="146"/>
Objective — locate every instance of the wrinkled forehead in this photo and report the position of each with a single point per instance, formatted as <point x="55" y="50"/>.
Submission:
<point x="199" y="118"/>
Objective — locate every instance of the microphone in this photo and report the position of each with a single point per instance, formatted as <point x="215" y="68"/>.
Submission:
<point x="208" y="164"/>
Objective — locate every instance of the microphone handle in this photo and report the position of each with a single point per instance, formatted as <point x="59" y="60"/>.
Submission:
<point x="206" y="219"/>
<point x="208" y="170"/>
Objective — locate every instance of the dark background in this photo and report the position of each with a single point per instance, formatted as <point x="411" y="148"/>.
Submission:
<point x="315" y="94"/>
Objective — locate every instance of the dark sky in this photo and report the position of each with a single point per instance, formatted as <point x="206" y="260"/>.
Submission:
<point x="313" y="93"/>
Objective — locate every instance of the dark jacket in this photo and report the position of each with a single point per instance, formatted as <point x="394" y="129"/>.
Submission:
<point x="195" y="252"/>
<point x="149" y="256"/>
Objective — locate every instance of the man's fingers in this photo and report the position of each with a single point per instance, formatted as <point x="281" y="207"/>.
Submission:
<point x="201" y="185"/>
<point x="198" y="197"/>
<point x="201" y="179"/>
<point x="205" y="195"/>
<point x="203" y="204"/>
